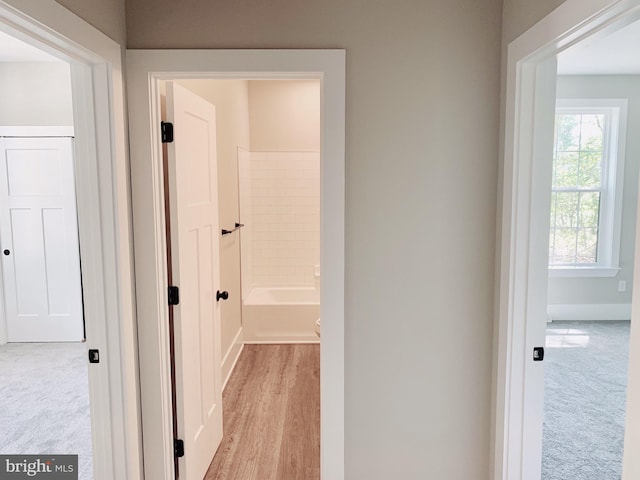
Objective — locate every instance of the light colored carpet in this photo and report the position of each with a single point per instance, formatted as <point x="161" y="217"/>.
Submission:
<point x="44" y="401"/>
<point x="585" y="396"/>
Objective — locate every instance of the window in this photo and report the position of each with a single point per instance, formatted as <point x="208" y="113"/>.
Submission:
<point x="586" y="193"/>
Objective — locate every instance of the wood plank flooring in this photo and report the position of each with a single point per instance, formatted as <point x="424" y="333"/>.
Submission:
<point x="271" y="416"/>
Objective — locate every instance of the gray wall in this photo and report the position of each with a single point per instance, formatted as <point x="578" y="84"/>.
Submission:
<point x="605" y="290"/>
<point x="35" y="94"/>
<point x="421" y="177"/>
<point x="108" y="16"/>
<point x="520" y="15"/>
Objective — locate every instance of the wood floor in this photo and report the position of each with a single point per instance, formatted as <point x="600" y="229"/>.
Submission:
<point x="271" y="416"/>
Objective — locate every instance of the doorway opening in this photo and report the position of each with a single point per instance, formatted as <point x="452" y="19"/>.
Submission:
<point x="592" y="243"/>
<point x="45" y="394"/>
<point x="258" y="142"/>
<point x="526" y="245"/>
<point x="268" y="167"/>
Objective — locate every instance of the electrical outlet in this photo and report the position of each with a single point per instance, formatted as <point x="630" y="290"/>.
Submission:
<point x="622" y="285"/>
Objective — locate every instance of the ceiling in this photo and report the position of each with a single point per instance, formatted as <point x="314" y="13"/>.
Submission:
<point x="14" y="50"/>
<point x="617" y="53"/>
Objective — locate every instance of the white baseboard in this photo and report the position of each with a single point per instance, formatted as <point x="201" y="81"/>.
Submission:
<point x="590" y="311"/>
<point x="231" y="357"/>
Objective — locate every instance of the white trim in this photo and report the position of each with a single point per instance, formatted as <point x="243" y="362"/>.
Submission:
<point x="104" y="221"/>
<point x="563" y="272"/>
<point x="145" y="68"/>
<point x="614" y="142"/>
<point x="43" y="131"/>
<point x="568" y="24"/>
<point x="3" y="316"/>
<point x="231" y="357"/>
<point x="590" y="311"/>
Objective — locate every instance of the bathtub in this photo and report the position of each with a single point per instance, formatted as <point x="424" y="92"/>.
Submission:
<point x="281" y="315"/>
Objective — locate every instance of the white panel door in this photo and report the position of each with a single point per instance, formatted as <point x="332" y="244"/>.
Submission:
<point x="39" y="241"/>
<point x="194" y="237"/>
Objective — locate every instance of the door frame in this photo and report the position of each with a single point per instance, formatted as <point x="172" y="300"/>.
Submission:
<point x="572" y="22"/>
<point x="145" y="69"/>
<point x="102" y="189"/>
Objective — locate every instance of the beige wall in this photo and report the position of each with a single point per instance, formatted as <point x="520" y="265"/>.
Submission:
<point x="108" y="16"/>
<point x="421" y="170"/>
<point x="285" y="182"/>
<point x="35" y="94"/>
<point x="230" y="98"/>
<point x="520" y="15"/>
<point x="285" y="115"/>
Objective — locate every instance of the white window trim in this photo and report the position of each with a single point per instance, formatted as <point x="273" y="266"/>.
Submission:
<point x="610" y="225"/>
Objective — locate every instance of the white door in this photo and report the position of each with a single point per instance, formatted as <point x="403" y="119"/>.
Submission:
<point x="194" y="234"/>
<point x="39" y="241"/>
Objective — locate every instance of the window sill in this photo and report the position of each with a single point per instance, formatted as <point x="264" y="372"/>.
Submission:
<point x="559" y="272"/>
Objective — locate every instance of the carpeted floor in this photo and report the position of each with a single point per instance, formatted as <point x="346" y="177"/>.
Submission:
<point x="585" y="395"/>
<point x="44" y="401"/>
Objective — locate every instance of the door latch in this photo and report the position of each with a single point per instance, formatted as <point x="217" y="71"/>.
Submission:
<point x="538" y="354"/>
<point x="94" y="355"/>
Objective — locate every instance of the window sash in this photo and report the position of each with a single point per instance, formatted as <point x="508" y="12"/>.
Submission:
<point x="606" y="190"/>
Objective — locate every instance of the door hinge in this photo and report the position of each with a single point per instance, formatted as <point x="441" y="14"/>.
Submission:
<point x="174" y="295"/>
<point x="538" y="354"/>
<point x="94" y="355"/>
<point x="178" y="447"/>
<point x="167" y="132"/>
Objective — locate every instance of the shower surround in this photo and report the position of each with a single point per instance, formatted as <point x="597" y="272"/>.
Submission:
<point x="280" y="206"/>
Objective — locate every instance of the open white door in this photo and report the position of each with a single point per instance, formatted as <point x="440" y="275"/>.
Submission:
<point x="194" y="236"/>
<point x="39" y="241"/>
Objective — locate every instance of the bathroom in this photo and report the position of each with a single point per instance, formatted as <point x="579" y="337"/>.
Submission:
<point x="267" y="136"/>
<point x="268" y="166"/>
<point x="268" y="143"/>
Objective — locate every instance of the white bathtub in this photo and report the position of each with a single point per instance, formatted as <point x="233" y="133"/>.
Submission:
<point x="281" y="315"/>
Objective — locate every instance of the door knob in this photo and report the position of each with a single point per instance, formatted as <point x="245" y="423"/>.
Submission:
<point x="6" y="252"/>
<point x="222" y="295"/>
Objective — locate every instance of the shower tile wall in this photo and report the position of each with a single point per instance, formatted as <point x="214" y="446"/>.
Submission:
<point x="285" y="204"/>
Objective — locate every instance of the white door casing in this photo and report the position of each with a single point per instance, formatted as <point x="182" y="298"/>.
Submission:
<point x="39" y="239"/>
<point x="195" y="268"/>
<point x="145" y="70"/>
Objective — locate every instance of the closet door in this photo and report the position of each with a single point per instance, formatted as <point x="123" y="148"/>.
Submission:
<point x="39" y="241"/>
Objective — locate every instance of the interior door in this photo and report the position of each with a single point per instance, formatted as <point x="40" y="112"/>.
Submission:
<point x="194" y="237"/>
<point x="39" y="237"/>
